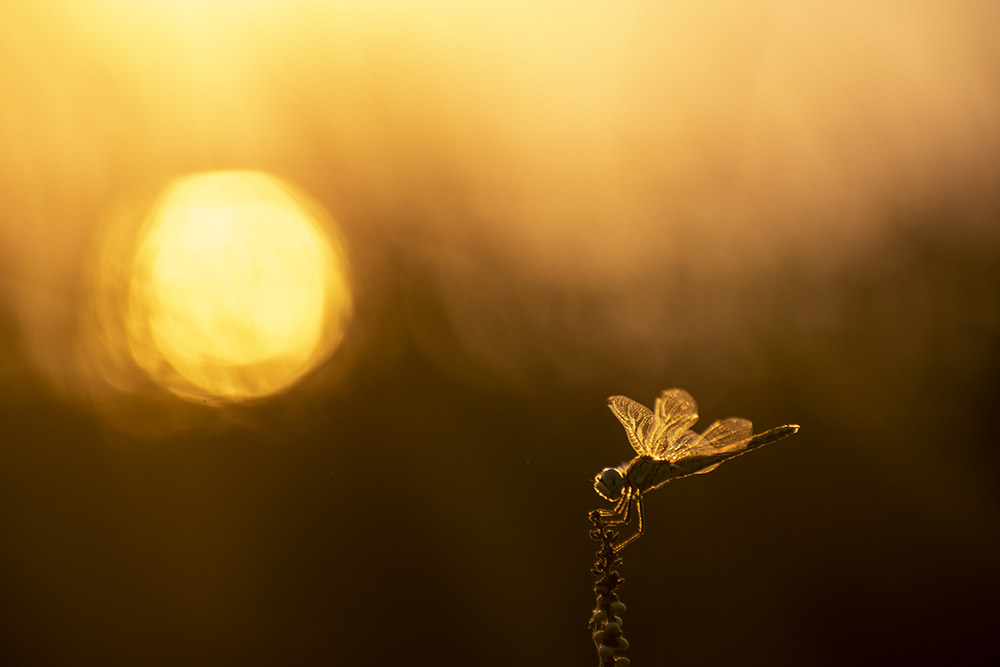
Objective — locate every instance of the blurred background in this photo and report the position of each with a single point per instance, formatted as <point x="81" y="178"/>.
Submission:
<point x="309" y="312"/>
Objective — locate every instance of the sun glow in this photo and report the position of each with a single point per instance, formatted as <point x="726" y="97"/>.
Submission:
<point x="237" y="289"/>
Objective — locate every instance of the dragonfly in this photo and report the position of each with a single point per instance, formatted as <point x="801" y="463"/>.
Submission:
<point x="667" y="449"/>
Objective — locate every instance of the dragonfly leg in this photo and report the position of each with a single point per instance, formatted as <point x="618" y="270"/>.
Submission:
<point x="621" y="513"/>
<point x="620" y="506"/>
<point x="638" y="533"/>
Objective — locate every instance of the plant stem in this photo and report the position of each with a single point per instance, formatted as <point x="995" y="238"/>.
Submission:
<point x="606" y="622"/>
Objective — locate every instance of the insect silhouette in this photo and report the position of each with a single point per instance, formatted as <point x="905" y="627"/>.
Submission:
<point x="668" y="449"/>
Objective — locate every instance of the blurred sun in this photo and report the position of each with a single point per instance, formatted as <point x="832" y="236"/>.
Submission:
<point x="237" y="288"/>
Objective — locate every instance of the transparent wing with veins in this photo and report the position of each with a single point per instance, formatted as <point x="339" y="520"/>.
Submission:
<point x="637" y="420"/>
<point x="725" y="436"/>
<point x="675" y="413"/>
<point x="664" y="433"/>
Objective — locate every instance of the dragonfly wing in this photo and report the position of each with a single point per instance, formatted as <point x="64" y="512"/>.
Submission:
<point x="675" y="412"/>
<point x="724" y="435"/>
<point x="637" y="420"/>
<point x="724" y="441"/>
<point x="728" y="435"/>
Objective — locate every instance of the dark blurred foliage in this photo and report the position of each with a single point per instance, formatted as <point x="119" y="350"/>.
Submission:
<point x="416" y="514"/>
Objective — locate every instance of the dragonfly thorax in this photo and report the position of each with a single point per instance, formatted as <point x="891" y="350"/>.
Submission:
<point x="610" y="484"/>
<point x="645" y="473"/>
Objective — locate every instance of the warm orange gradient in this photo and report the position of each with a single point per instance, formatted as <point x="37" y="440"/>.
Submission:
<point x="627" y="153"/>
<point x="791" y="208"/>
<point x="234" y="288"/>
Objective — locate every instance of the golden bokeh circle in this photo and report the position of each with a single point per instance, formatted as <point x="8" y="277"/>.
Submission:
<point x="238" y="288"/>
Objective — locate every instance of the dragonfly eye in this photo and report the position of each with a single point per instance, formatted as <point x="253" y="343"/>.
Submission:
<point x="609" y="484"/>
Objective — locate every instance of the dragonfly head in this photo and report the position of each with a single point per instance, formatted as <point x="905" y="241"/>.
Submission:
<point x="609" y="484"/>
